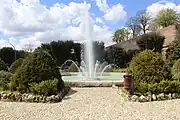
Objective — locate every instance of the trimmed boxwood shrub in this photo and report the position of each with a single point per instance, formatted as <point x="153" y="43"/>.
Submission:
<point x="167" y="86"/>
<point x="37" y="67"/>
<point x="176" y="70"/>
<point x="5" y="78"/>
<point x="47" y="87"/>
<point x="3" y="65"/>
<point x="15" y="65"/>
<point x="147" y="68"/>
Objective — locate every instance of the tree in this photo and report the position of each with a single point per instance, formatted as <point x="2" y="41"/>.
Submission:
<point x="116" y="56"/>
<point x="61" y="50"/>
<point x="120" y="35"/>
<point x="143" y="18"/>
<point x="7" y="54"/>
<point x="133" y="25"/>
<point x="151" y="41"/>
<point x="15" y="65"/>
<point x="166" y="17"/>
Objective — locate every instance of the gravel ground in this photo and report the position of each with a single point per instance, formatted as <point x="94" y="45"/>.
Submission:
<point x="91" y="104"/>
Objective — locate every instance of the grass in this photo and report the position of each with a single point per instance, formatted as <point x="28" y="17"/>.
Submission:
<point x="1" y="89"/>
<point x="121" y="70"/>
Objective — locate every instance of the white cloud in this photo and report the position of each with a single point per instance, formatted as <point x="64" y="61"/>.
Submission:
<point x="99" y="20"/>
<point x="102" y="5"/>
<point x="114" y="13"/>
<point x="34" y="23"/>
<point x="158" y="6"/>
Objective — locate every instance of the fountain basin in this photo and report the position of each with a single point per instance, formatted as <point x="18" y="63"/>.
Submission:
<point x="107" y="80"/>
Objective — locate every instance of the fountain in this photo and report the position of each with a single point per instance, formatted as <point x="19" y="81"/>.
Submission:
<point x="90" y="70"/>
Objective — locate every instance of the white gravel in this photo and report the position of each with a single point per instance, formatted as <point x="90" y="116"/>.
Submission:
<point x="92" y="104"/>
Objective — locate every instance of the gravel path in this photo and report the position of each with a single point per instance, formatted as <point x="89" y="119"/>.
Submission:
<point x="91" y="104"/>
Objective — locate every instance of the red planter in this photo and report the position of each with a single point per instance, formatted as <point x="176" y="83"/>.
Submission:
<point x="128" y="83"/>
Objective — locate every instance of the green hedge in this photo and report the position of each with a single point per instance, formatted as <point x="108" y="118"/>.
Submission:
<point x="47" y="87"/>
<point x="165" y="87"/>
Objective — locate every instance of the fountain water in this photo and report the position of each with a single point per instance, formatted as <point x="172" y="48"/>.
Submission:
<point x="89" y="55"/>
<point x="89" y="70"/>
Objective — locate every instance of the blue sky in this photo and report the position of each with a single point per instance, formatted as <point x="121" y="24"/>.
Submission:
<point x="131" y="6"/>
<point x="34" y="22"/>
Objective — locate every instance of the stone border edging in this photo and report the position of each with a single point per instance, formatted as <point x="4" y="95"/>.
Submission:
<point x="18" y="97"/>
<point x="152" y="97"/>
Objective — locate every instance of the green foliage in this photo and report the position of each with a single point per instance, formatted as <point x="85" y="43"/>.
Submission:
<point x="140" y="87"/>
<point x="47" y="87"/>
<point x="61" y="50"/>
<point x="73" y="68"/>
<point x="36" y="67"/>
<point x="176" y="76"/>
<point x="116" y="56"/>
<point x="173" y="52"/>
<point x="167" y="86"/>
<point x="120" y="70"/>
<point x="2" y="65"/>
<point x="151" y="41"/>
<point x="147" y="68"/>
<point x="177" y="26"/>
<point x="121" y="35"/>
<point x="5" y="78"/>
<point x="9" y="55"/>
<point x="176" y="69"/>
<point x="16" y="64"/>
<point x="166" y="17"/>
<point x="167" y="70"/>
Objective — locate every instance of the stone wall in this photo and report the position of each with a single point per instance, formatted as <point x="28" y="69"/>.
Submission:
<point x="169" y="33"/>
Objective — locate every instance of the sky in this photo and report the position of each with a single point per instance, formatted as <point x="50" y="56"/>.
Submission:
<point x="26" y="23"/>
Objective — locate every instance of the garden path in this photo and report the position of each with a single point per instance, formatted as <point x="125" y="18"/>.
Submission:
<point x="91" y="104"/>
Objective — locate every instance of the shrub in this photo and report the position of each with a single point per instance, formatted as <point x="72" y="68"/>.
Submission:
<point x="147" y="68"/>
<point x="2" y="65"/>
<point x="151" y="41"/>
<point x="5" y="79"/>
<point x="165" y="87"/>
<point x="36" y="68"/>
<point x="73" y="68"/>
<point x="16" y="64"/>
<point x="47" y="87"/>
<point x="173" y="53"/>
<point x="176" y="69"/>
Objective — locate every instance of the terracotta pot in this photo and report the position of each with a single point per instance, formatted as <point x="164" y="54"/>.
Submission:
<point x="128" y="83"/>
